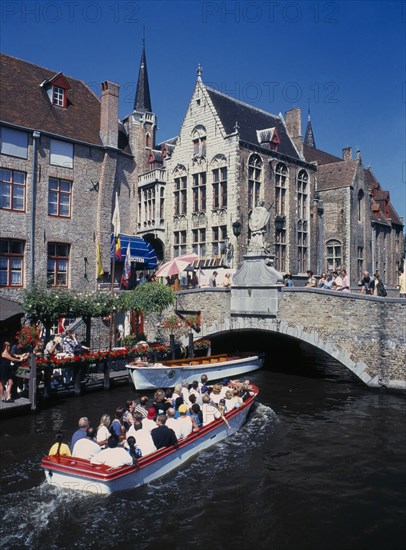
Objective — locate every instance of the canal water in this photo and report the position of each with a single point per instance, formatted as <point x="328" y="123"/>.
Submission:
<point x="321" y="463"/>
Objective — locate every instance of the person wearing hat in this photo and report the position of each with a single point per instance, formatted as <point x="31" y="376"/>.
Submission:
<point x="184" y="422"/>
<point x="114" y="456"/>
<point x="149" y="423"/>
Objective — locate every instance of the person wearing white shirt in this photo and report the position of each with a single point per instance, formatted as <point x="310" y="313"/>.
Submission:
<point x="86" y="447"/>
<point x="173" y="422"/>
<point x="142" y="437"/>
<point x="184" y="422"/>
<point x="210" y="412"/>
<point x="114" y="456"/>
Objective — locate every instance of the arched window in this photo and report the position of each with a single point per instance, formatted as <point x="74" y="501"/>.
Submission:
<point x="199" y="141"/>
<point x="302" y="190"/>
<point x="333" y="255"/>
<point x="254" y="180"/>
<point x="281" y="173"/>
<point x="147" y="139"/>
<point x="219" y="172"/>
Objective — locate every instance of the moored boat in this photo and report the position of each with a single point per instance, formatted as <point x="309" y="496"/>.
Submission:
<point x="80" y="475"/>
<point x="148" y="376"/>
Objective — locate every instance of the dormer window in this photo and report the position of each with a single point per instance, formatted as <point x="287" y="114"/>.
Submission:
<point x="57" y="90"/>
<point x="58" y="96"/>
<point x="269" y="138"/>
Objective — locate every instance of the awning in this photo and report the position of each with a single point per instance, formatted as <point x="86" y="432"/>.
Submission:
<point x="141" y="251"/>
<point x="9" y="309"/>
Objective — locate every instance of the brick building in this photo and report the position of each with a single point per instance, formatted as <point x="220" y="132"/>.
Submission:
<point x="64" y="157"/>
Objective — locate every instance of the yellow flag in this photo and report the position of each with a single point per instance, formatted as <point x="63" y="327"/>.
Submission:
<point x="99" y="265"/>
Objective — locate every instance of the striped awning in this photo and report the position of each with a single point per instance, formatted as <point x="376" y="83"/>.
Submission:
<point x="141" y="251"/>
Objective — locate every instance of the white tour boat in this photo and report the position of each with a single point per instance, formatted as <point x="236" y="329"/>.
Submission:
<point x="149" y="376"/>
<point x="80" y="475"/>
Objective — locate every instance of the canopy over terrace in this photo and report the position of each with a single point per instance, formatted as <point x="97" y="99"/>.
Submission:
<point x="141" y="252"/>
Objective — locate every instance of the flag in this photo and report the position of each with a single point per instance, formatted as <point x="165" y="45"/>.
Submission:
<point x="116" y="230"/>
<point x="125" y="278"/>
<point x="99" y="265"/>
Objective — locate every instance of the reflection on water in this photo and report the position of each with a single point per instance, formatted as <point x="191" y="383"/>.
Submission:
<point x="320" y="463"/>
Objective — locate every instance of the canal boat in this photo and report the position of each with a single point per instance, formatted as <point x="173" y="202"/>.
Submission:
<point x="149" y="376"/>
<point x="80" y="475"/>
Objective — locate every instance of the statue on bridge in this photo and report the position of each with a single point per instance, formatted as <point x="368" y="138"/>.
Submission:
<point x="257" y="222"/>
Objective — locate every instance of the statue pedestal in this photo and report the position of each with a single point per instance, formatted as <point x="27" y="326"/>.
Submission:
<point x="257" y="285"/>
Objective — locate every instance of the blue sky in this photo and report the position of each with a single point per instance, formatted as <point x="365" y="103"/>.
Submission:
<point x="346" y="59"/>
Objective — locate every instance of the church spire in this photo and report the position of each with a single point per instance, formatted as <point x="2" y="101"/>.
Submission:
<point x="309" y="136"/>
<point x="142" y="100"/>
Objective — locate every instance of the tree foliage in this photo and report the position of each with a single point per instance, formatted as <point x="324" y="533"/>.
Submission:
<point x="148" y="298"/>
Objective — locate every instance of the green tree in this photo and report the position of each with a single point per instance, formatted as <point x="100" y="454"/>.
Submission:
<point x="148" y="298"/>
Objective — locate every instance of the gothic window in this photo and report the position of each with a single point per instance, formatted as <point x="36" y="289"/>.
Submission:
<point x="220" y="188"/>
<point x="199" y="192"/>
<point x="147" y="140"/>
<point x="180" y="195"/>
<point x="280" y="189"/>
<point x="199" y="141"/>
<point x="302" y="192"/>
<point x="149" y="205"/>
<point x="334" y="255"/>
<point x="161" y="202"/>
<point x="11" y="262"/>
<point x="254" y="180"/>
<point x="280" y="250"/>
<point x="219" y="236"/>
<point x="199" y="242"/>
<point x="360" y="262"/>
<point x="139" y="206"/>
<point x="360" y="202"/>
<point x="179" y="243"/>
<point x="302" y="246"/>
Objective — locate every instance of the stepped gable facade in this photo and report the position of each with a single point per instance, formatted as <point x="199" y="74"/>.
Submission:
<point x="64" y="155"/>
<point x="229" y="155"/>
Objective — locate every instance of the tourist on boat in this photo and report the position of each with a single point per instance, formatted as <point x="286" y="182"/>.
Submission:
<point x="142" y="437"/>
<point x="117" y="426"/>
<point x="149" y="422"/>
<point x="80" y="432"/>
<point x="177" y="392"/>
<point x="194" y="390"/>
<point x="133" y="450"/>
<point x="209" y="410"/>
<point x="103" y="432"/>
<point x="172" y="422"/>
<point x="59" y="448"/>
<point x="114" y="456"/>
<point x="216" y="394"/>
<point x="185" y="422"/>
<point x="196" y="414"/>
<point x="245" y="392"/>
<point x="203" y="386"/>
<point x="162" y="435"/>
<point x="86" y="447"/>
<point x="161" y="404"/>
<point x="142" y="407"/>
<point x="128" y="416"/>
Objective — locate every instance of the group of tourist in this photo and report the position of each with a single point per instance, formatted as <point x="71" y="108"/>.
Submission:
<point x="143" y="426"/>
<point x="371" y="286"/>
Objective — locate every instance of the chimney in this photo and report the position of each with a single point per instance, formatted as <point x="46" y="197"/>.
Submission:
<point x="109" y="114"/>
<point x="294" y="126"/>
<point x="347" y="153"/>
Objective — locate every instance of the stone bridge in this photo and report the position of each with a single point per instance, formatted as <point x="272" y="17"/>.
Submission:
<point x="366" y="334"/>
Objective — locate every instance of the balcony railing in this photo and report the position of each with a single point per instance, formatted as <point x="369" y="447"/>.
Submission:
<point x="157" y="175"/>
